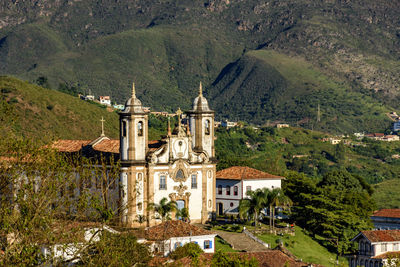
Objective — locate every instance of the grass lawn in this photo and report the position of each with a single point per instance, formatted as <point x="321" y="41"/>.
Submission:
<point x="220" y="244"/>
<point x="303" y="247"/>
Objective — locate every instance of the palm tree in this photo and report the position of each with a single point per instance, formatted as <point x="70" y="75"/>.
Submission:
<point x="278" y="199"/>
<point x="163" y="208"/>
<point x="253" y="204"/>
<point x="182" y="214"/>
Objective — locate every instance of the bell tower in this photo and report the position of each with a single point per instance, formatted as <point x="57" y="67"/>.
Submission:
<point x="201" y="122"/>
<point x="133" y="148"/>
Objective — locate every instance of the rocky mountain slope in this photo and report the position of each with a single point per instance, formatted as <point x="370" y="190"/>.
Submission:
<point x="167" y="47"/>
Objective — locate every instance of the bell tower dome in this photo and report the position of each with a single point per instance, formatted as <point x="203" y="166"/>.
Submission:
<point x="133" y="130"/>
<point x="201" y="122"/>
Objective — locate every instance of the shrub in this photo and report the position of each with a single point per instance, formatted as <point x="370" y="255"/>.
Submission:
<point x="191" y="250"/>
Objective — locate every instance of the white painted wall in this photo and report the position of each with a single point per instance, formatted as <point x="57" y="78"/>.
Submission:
<point x="170" y="243"/>
<point x="195" y="198"/>
<point x="261" y="183"/>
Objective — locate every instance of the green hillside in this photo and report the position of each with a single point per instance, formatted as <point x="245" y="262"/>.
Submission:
<point x="31" y="111"/>
<point x="387" y="194"/>
<point x="278" y="150"/>
<point x="265" y="84"/>
<point x="281" y="57"/>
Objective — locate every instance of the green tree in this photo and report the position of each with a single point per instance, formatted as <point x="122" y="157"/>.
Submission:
<point x="182" y="214"/>
<point x="191" y="250"/>
<point x="251" y="206"/>
<point x="116" y="250"/>
<point x="277" y="198"/>
<point x="163" y="208"/>
<point x="221" y="259"/>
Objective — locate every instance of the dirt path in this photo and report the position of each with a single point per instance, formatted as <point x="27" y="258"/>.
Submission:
<point x="240" y="241"/>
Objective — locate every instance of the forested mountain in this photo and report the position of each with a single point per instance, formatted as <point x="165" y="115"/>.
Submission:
<point x="260" y="61"/>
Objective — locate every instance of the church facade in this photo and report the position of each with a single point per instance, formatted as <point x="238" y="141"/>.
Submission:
<point x="180" y="167"/>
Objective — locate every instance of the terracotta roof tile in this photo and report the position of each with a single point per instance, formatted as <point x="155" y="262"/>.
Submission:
<point x="382" y="235"/>
<point x="390" y="213"/>
<point x="111" y="145"/>
<point x="175" y="228"/>
<point x="70" y="145"/>
<point x="271" y="258"/>
<point x="244" y="173"/>
<point x="386" y="255"/>
<point x="106" y="145"/>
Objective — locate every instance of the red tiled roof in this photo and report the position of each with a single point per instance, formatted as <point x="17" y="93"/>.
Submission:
<point x="386" y="255"/>
<point x="176" y="228"/>
<point x="243" y="173"/>
<point x="110" y="145"/>
<point x="70" y="145"/>
<point x="106" y="145"/>
<point x="382" y="235"/>
<point x="390" y="213"/>
<point x="271" y="258"/>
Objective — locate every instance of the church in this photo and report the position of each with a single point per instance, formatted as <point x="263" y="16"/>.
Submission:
<point x="180" y="167"/>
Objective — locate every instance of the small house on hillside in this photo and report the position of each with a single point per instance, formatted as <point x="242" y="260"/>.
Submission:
<point x="234" y="182"/>
<point x="105" y="100"/>
<point x="375" y="248"/>
<point x="386" y="219"/>
<point x="167" y="236"/>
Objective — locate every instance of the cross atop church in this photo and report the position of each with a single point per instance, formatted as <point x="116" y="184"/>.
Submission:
<point x="102" y="126"/>
<point x="200" y="89"/>
<point x="179" y="112"/>
<point x="133" y="91"/>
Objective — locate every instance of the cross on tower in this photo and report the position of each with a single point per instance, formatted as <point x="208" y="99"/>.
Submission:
<point x="102" y="126"/>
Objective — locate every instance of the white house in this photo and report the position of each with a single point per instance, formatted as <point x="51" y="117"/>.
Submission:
<point x="167" y="236"/>
<point x="105" y="100"/>
<point x="234" y="182"/>
<point x="375" y="247"/>
<point x="386" y="219"/>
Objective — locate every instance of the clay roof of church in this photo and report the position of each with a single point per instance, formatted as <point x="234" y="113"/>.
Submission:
<point x="174" y="228"/>
<point x="111" y="145"/>
<point x="390" y="213"/>
<point x="244" y="173"/>
<point x="105" y="145"/>
<point x="382" y="235"/>
<point x="70" y="145"/>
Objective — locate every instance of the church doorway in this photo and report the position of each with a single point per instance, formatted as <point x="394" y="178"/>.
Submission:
<point x="220" y="209"/>
<point x="180" y="205"/>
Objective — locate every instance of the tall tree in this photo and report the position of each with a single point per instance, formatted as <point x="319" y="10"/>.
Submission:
<point x="277" y="198"/>
<point x="251" y="206"/>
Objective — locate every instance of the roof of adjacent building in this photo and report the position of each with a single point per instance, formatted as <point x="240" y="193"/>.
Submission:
<point x="382" y="235"/>
<point x="391" y="254"/>
<point x="390" y="213"/>
<point x="110" y="145"/>
<point x="70" y="145"/>
<point x="244" y="173"/>
<point x="175" y="228"/>
<point x="271" y="258"/>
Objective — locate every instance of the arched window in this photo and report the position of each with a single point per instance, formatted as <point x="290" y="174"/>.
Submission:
<point x="235" y="190"/>
<point x="228" y="190"/>
<point x="124" y="128"/>
<point x="140" y="128"/>
<point x="194" y="181"/>
<point x="207" y="127"/>
<point x="163" y="182"/>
